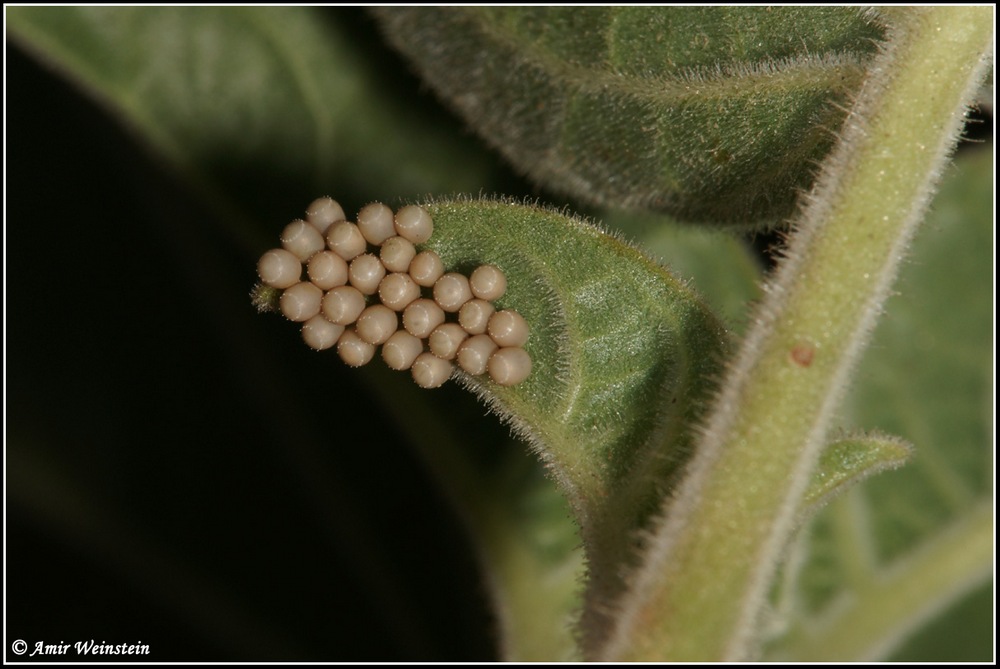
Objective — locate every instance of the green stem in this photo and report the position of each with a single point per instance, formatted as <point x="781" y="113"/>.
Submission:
<point x="891" y="605"/>
<point x="712" y="561"/>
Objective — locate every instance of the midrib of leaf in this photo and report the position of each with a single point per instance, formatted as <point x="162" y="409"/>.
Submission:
<point x="574" y="414"/>
<point x="603" y="338"/>
<point x="836" y="72"/>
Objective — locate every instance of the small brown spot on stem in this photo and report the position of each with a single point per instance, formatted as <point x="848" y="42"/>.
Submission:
<point x="802" y="355"/>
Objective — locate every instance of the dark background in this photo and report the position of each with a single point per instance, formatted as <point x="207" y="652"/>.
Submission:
<point x="171" y="474"/>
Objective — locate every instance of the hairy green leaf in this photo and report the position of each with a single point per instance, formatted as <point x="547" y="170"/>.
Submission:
<point x="847" y="461"/>
<point x="610" y="330"/>
<point x="716" y="114"/>
<point x="624" y="356"/>
<point x="722" y="268"/>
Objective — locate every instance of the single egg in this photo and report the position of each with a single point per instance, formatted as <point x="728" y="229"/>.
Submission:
<point x="508" y="328"/>
<point x="300" y="302"/>
<point x="302" y="239"/>
<point x="321" y="334"/>
<point x="451" y="291"/>
<point x="324" y="212"/>
<point x="397" y="253"/>
<point x="445" y="340"/>
<point x="354" y="350"/>
<point x="279" y="268"/>
<point x="377" y="323"/>
<point x="488" y="282"/>
<point x="474" y="353"/>
<point x="327" y="270"/>
<point x="397" y="291"/>
<point x="401" y="349"/>
<point x="430" y="371"/>
<point x="376" y="223"/>
<point x="509" y="366"/>
<point x="421" y="317"/>
<point x="426" y="268"/>
<point x="414" y="223"/>
<point x="343" y="305"/>
<point x="475" y="315"/>
<point x="366" y="273"/>
<point x="345" y="239"/>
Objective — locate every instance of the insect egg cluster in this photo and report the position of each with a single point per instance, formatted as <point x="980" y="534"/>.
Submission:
<point x="352" y="284"/>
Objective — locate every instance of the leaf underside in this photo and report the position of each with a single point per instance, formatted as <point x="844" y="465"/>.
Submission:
<point x="711" y="114"/>
<point x="614" y="340"/>
<point x="624" y="358"/>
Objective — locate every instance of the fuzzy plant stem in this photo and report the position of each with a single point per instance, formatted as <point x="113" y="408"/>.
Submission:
<point x="700" y="591"/>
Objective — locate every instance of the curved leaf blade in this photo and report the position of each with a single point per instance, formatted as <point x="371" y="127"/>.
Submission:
<point x="714" y="114"/>
<point x="845" y="462"/>
<point x="611" y="330"/>
<point x="625" y="357"/>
